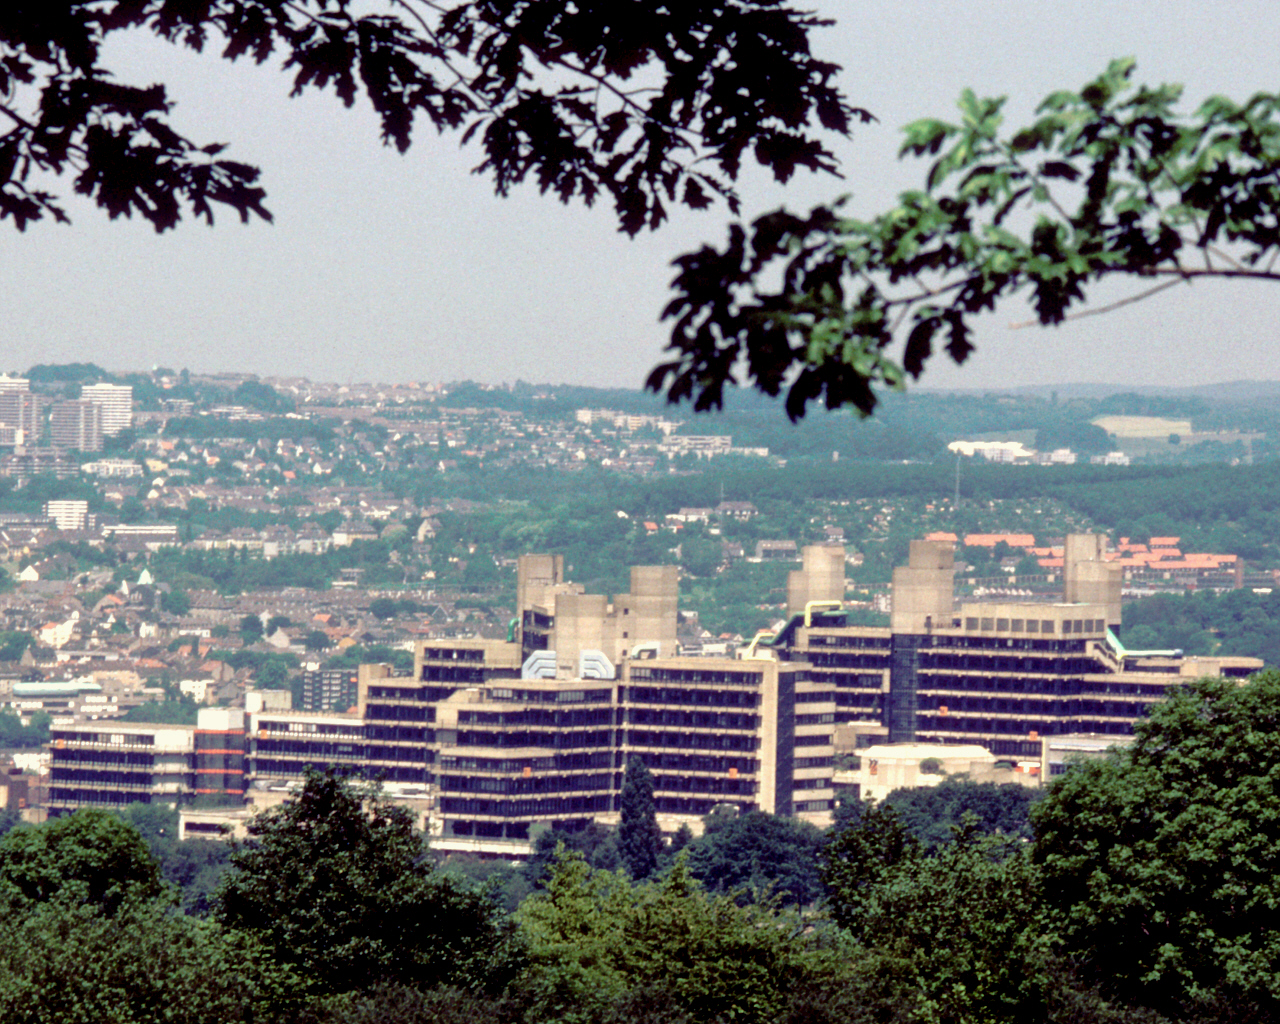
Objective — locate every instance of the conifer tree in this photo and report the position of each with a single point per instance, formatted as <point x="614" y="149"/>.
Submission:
<point x="639" y="838"/>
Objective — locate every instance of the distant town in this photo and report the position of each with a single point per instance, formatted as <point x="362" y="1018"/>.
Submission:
<point x="174" y="542"/>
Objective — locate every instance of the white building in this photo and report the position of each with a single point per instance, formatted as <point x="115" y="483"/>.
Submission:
<point x="993" y="451"/>
<point x="117" y="405"/>
<point x="68" y="514"/>
<point x="889" y="766"/>
<point x="112" y="468"/>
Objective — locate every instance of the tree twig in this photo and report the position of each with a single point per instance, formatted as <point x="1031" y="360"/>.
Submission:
<point x="1182" y="276"/>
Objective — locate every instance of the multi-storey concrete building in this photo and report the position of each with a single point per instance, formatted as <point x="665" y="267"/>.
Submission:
<point x="1002" y="675"/>
<point x="68" y="513"/>
<point x="540" y="727"/>
<point x="116" y="401"/>
<point x="76" y="424"/>
<point x="495" y="736"/>
<point x="23" y="413"/>
<point x="330" y="689"/>
<point x="111" y="764"/>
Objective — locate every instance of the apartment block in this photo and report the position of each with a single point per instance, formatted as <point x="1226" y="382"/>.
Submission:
<point x="113" y="764"/>
<point x="77" y="425"/>
<point x="116" y="401"/>
<point x="23" y="413"/>
<point x="68" y="513"/>
<point x="330" y="689"/>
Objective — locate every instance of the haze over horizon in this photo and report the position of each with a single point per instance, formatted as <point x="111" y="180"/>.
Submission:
<point x="388" y="268"/>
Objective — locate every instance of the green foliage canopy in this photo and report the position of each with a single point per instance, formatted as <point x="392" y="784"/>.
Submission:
<point x="932" y="813"/>
<point x="1161" y="866"/>
<point x="89" y="857"/>
<point x="336" y="884"/>
<point x="600" y="947"/>
<point x="1111" y="181"/>
<point x="759" y="856"/>
<point x="547" y="89"/>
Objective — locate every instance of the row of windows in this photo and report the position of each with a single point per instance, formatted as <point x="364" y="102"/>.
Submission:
<point x="669" y="695"/>
<point x="393" y="693"/>
<point x="95" y="797"/>
<point x="856" y="699"/>
<point x="699" y="806"/>
<point x="550" y="696"/>
<point x="719" y="785"/>
<point x="117" y="739"/>
<point x="1032" y="705"/>
<point x="401" y="733"/>
<point x="821" y="659"/>
<point x="400" y="713"/>
<point x="690" y="741"/>
<point x="816" y="697"/>
<point x="451" y="674"/>
<point x="311" y="729"/>
<point x="102" y="777"/>
<point x="999" y="625"/>
<point x="814" y="806"/>
<point x="574" y="761"/>
<point x="692" y="719"/>
<point x="452" y="654"/>
<point x="701" y="763"/>
<point x="310" y="748"/>
<point x="687" y="676"/>
<point x="858" y="642"/>
<point x="552" y="740"/>
<point x="130" y="758"/>
<point x="405" y="755"/>
<point x="523" y="786"/>
<point x="539" y="716"/>
<point x="294" y="769"/>
<point x="1119" y="726"/>
<point x="1009" y="663"/>
<point x="548" y="807"/>
<point x="992" y="643"/>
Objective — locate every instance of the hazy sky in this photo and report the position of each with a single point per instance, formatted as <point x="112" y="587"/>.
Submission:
<point x="383" y="267"/>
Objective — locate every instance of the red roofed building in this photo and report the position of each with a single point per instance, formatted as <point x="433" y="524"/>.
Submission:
<point x="990" y="540"/>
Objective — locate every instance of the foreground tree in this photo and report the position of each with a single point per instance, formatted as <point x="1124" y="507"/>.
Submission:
<point x="65" y="962"/>
<point x="955" y="937"/>
<point x="646" y="104"/>
<point x="932" y="813"/>
<point x="603" y="949"/>
<point x="335" y="883"/>
<point x="1110" y="182"/>
<point x="90" y="857"/>
<point x="639" y="837"/>
<point x="91" y="934"/>
<point x="1161" y="866"/>
<point x="759" y="856"/>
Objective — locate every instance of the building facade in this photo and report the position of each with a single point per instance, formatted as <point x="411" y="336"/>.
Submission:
<point x="998" y="674"/>
<point x="116" y="401"/>
<point x="330" y="689"/>
<point x="23" y="412"/>
<point x="493" y="737"/>
<point x="76" y="424"/>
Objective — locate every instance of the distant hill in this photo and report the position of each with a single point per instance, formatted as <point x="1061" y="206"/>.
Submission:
<point x="1236" y="391"/>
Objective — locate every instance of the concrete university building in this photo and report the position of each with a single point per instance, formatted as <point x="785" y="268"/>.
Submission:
<point x="488" y="738"/>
